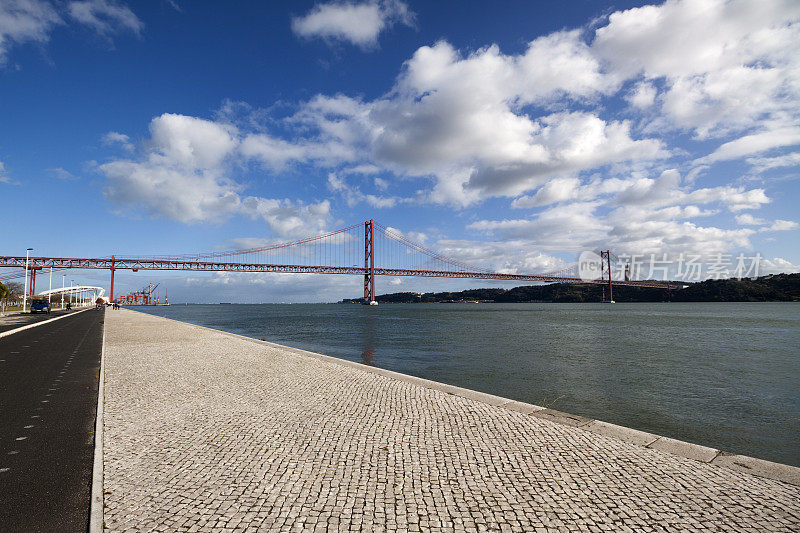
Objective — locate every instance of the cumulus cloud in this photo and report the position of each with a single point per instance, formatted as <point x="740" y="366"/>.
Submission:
<point x="542" y="127"/>
<point x="746" y="219"/>
<point x="576" y="227"/>
<point x="782" y="225"/>
<point x="666" y="190"/>
<point x="357" y="23"/>
<point x="459" y="120"/>
<point x="642" y="96"/>
<point x="724" y="64"/>
<point x="184" y="175"/>
<point x="634" y="215"/>
<point x="483" y="124"/>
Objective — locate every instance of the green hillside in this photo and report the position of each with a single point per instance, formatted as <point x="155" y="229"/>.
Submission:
<point x="775" y="288"/>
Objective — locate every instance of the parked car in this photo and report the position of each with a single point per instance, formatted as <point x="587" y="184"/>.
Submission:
<point x="40" y="306"/>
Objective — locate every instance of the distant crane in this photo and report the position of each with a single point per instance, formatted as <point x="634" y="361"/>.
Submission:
<point x="145" y="293"/>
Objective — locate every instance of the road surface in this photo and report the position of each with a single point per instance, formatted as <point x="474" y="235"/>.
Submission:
<point x="48" y="401"/>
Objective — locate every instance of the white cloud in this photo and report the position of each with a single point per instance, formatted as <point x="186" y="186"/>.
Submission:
<point x="782" y="225"/>
<point x="105" y="16"/>
<point x="753" y="144"/>
<point x="746" y="219"/>
<point x="726" y="64"/>
<point x="666" y="190"/>
<point x="113" y="137"/>
<point x="62" y="174"/>
<point x="642" y="96"/>
<point x="636" y="215"/>
<point x="560" y="190"/>
<point x="25" y="20"/>
<point x="5" y="178"/>
<point x="184" y="176"/>
<point x="507" y="256"/>
<point x="487" y="124"/>
<point x="357" y="23"/>
<point x="191" y="142"/>
<point x="544" y="127"/>
<point x="777" y="265"/>
<point x="168" y="191"/>
<point x="459" y="119"/>
<point x="276" y="153"/>
<point x="563" y="227"/>
<point x="761" y="164"/>
<point x="353" y="195"/>
<point x="765" y="225"/>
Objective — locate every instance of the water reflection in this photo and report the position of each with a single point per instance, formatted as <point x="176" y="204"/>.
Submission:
<point x="366" y="356"/>
<point x="369" y="340"/>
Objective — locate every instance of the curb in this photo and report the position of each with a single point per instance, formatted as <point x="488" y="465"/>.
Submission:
<point x="29" y="326"/>
<point x="96" y="503"/>
<point x="740" y="463"/>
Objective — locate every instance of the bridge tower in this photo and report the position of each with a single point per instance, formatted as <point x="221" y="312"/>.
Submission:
<point x="112" y="279"/>
<point x="369" y="264"/>
<point x="32" y="284"/>
<point x="605" y="261"/>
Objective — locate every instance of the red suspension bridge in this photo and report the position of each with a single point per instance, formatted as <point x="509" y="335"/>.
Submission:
<point x="367" y="250"/>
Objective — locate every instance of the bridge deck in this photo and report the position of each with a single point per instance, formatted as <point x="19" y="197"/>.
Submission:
<point x="206" y="431"/>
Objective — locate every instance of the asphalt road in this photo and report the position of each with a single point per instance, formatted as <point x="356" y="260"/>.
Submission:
<point x="48" y="400"/>
<point x="18" y="320"/>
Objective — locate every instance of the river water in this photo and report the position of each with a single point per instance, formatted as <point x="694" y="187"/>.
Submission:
<point x="723" y="375"/>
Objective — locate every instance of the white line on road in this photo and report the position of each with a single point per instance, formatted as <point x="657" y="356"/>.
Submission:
<point x="11" y="332"/>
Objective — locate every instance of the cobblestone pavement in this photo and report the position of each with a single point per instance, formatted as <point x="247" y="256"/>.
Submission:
<point x="208" y="432"/>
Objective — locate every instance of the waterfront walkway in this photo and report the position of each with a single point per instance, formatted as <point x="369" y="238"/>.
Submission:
<point x="205" y="431"/>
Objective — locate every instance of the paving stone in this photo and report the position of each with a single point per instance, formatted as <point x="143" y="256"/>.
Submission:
<point x="205" y="431"/>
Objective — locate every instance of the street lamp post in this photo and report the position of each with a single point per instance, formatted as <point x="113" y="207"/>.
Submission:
<point x="63" y="284"/>
<point x="49" y="296"/>
<point x="25" y="291"/>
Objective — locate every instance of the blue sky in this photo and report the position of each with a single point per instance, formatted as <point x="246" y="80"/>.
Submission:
<point x="512" y="135"/>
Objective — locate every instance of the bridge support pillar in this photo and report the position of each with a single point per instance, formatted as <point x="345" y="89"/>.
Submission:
<point x="606" y="256"/>
<point x="33" y="282"/>
<point x="112" y="278"/>
<point x="369" y="264"/>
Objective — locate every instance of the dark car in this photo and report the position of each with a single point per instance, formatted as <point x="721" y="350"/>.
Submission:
<point x="40" y="306"/>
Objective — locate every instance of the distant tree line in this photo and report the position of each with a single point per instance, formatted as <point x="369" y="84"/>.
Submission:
<point x="10" y="294"/>
<point x="773" y="288"/>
